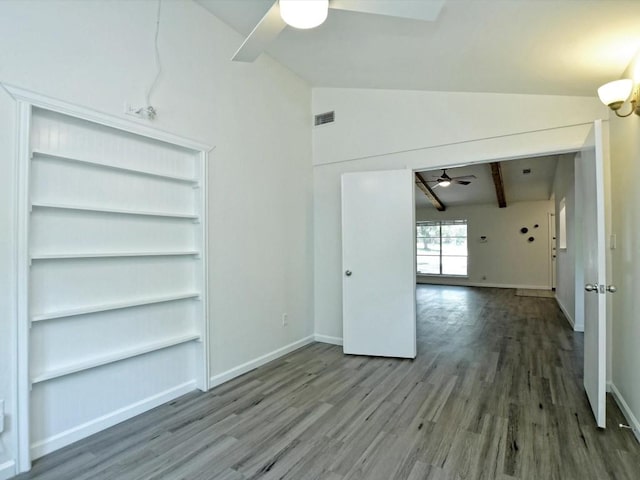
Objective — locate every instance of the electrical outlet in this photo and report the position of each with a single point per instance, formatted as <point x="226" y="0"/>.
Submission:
<point x="1" y="416"/>
<point x="285" y="319"/>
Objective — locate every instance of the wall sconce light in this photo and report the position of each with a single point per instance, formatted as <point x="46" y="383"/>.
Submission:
<point x="614" y="94"/>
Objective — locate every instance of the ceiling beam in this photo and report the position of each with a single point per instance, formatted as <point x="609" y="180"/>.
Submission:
<point x="426" y="189"/>
<point x="496" y="173"/>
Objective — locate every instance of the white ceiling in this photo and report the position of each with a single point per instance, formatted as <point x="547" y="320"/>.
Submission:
<point x="537" y="185"/>
<point x="567" y="47"/>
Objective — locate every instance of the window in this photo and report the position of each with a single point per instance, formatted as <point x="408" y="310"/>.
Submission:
<point x="442" y="247"/>
<point x="562" y="219"/>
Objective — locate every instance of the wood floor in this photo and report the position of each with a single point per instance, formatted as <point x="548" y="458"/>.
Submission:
<point x="495" y="393"/>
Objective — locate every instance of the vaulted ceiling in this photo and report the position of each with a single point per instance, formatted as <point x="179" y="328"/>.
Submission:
<point x="525" y="179"/>
<point x="566" y="47"/>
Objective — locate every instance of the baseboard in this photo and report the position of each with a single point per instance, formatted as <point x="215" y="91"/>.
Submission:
<point x="444" y="281"/>
<point x="48" y="445"/>
<point x="569" y="318"/>
<point x="626" y="411"/>
<point x="327" y="339"/>
<point x="7" y="470"/>
<point x="223" y="377"/>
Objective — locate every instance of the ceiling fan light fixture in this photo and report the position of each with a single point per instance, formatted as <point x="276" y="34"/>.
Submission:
<point x="304" y="14"/>
<point x="444" y="183"/>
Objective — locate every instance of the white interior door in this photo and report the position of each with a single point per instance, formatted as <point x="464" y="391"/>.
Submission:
<point x="592" y="178"/>
<point x="378" y="259"/>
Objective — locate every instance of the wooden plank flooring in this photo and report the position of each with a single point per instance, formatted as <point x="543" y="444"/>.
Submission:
<point x="495" y="393"/>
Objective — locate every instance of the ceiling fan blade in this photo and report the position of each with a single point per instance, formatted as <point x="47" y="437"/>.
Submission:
<point x="264" y="33"/>
<point x="413" y="9"/>
<point x="464" y="177"/>
<point x="460" y="182"/>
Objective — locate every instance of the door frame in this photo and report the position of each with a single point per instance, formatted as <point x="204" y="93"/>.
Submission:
<point x="579" y="292"/>
<point x="25" y="101"/>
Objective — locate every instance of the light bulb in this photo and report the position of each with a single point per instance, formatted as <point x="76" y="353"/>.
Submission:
<point x="304" y="14"/>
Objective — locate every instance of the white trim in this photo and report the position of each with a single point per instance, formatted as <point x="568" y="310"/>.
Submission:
<point x="7" y="470"/>
<point x="570" y="319"/>
<point x="318" y="337"/>
<point x="205" y="350"/>
<point x="84" y="113"/>
<point x="23" y="206"/>
<point x="232" y="373"/>
<point x="95" y="425"/>
<point x="626" y="411"/>
<point x="444" y="281"/>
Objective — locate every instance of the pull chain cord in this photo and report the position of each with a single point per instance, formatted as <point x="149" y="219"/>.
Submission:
<point x="151" y="112"/>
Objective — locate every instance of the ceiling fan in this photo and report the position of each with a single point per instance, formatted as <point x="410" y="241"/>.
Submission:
<point x="305" y="14"/>
<point x="445" y="180"/>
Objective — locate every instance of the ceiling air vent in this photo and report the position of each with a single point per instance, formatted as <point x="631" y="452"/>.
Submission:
<point x="323" y="118"/>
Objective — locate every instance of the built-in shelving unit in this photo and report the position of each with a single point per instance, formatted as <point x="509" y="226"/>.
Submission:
<point x="133" y="171"/>
<point x="113" y="278"/>
<point x="116" y="357"/>
<point x="105" y="307"/>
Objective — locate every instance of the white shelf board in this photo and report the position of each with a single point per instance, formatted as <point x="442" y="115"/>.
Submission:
<point x="115" y="357"/>
<point x="113" y="210"/>
<point x="111" y="306"/>
<point x="177" y="178"/>
<point x="62" y="256"/>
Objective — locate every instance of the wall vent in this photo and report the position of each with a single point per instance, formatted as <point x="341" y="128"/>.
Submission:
<point x="323" y="118"/>
<point x="526" y="171"/>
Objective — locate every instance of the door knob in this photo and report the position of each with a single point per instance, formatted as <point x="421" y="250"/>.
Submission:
<point x="611" y="288"/>
<point x="348" y="273"/>
<point x="591" y="288"/>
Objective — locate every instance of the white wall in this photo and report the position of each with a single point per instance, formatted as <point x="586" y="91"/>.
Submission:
<point x="383" y="129"/>
<point x="625" y="169"/>
<point x="507" y="259"/>
<point x="569" y="260"/>
<point x="100" y="54"/>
